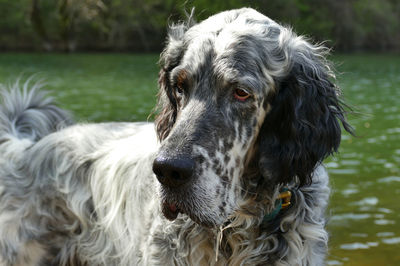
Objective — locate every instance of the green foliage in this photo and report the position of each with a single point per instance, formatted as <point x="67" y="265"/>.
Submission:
<point x="14" y="25"/>
<point x="139" y="25"/>
<point x="377" y="22"/>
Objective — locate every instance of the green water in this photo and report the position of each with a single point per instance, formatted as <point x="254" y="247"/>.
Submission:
<point x="95" y="87"/>
<point x="365" y="209"/>
<point x="365" y="176"/>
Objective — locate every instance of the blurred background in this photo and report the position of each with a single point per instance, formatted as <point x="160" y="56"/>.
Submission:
<point x="138" y="25"/>
<point x="98" y="58"/>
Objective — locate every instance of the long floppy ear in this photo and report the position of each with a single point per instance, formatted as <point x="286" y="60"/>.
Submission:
<point x="303" y="125"/>
<point x="169" y="59"/>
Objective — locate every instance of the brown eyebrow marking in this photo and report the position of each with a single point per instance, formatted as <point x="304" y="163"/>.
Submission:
<point x="182" y="79"/>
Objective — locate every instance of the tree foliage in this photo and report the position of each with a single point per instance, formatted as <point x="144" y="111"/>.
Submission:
<point x="140" y="25"/>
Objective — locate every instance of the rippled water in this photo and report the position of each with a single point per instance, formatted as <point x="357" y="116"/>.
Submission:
<point x="365" y="205"/>
<point x="365" y="210"/>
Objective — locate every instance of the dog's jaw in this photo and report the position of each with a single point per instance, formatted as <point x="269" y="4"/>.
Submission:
<point x="197" y="206"/>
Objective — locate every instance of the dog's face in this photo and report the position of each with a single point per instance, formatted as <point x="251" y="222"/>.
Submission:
<point x="219" y="82"/>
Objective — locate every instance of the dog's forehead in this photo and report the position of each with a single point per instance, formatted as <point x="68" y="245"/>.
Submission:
<point x="225" y="24"/>
<point x="227" y="34"/>
<point x="229" y="43"/>
<point x="232" y="17"/>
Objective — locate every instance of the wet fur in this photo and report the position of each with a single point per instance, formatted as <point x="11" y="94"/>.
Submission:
<point x="85" y="194"/>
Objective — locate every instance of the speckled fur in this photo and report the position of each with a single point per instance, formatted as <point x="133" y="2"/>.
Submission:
<point x="246" y="151"/>
<point x="85" y="194"/>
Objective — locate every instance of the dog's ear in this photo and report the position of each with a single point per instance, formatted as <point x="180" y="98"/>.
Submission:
<point x="303" y="125"/>
<point x="169" y="59"/>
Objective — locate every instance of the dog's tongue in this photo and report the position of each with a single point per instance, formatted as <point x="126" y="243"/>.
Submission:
<point x="172" y="207"/>
<point x="170" y="211"/>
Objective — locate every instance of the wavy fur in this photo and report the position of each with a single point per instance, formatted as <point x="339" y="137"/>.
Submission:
<point x="86" y="194"/>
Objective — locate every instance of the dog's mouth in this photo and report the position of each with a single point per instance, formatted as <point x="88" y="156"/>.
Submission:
<point x="184" y="201"/>
<point x="170" y="210"/>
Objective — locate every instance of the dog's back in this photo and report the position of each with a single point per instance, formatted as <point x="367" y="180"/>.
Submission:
<point x="56" y="200"/>
<point x="26" y="116"/>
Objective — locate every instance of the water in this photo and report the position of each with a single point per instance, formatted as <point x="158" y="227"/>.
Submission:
<point x="364" y="210"/>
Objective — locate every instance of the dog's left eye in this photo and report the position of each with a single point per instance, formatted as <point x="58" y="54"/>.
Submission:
<point x="241" y="94"/>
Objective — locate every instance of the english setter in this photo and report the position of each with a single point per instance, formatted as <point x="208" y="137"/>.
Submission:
<point x="247" y="112"/>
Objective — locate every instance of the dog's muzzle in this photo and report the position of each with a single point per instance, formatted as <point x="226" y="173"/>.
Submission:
<point x="173" y="172"/>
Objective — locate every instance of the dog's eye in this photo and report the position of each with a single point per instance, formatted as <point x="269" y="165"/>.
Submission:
<point x="181" y="83"/>
<point x="241" y="94"/>
<point x="179" y="90"/>
<point x="178" y="93"/>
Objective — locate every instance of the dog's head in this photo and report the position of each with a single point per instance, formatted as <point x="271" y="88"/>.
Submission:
<point x="239" y="91"/>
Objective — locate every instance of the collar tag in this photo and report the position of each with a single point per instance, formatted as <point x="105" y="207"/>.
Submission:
<point x="282" y="202"/>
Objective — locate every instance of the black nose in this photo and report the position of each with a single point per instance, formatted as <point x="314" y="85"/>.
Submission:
<point x="173" y="172"/>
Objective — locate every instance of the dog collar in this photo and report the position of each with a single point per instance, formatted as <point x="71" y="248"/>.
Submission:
<point x="282" y="202"/>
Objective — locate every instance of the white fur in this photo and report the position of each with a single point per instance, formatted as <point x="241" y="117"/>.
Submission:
<point x="86" y="194"/>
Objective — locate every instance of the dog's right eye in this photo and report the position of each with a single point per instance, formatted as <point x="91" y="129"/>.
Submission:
<point x="181" y="83"/>
<point x="179" y="90"/>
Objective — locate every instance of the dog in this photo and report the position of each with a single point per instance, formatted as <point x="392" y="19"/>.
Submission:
<point x="230" y="173"/>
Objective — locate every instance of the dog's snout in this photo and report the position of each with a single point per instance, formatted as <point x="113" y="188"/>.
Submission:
<point x="173" y="172"/>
